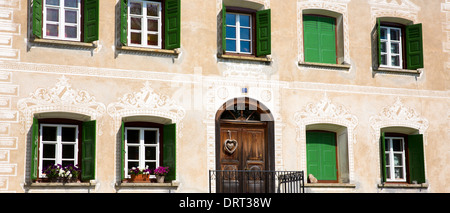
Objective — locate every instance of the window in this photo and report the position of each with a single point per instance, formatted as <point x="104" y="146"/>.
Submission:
<point x="59" y="145"/>
<point x="395" y="159"/>
<point x="402" y="158"/>
<point x="319" y="39"/>
<point x="62" y="19"/>
<point x="142" y="148"/>
<point x="239" y="33"/>
<point x="65" y="142"/>
<point x="399" y="46"/>
<point x="321" y="155"/>
<point x="246" y="31"/>
<point x="150" y="24"/>
<point x="148" y="144"/>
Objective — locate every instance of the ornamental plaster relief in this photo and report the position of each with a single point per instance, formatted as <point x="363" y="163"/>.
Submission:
<point x="393" y="8"/>
<point x="325" y="112"/>
<point x="60" y="98"/>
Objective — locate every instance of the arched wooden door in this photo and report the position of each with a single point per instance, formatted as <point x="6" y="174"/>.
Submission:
<point x="244" y="147"/>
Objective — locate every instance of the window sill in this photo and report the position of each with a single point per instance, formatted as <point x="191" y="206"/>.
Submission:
<point x="246" y="58"/>
<point x="63" y="43"/>
<point x="167" y="186"/>
<point x="397" y="70"/>
<point x="325" y="66"/>
<point x="149" y="50"/>
<point x="61" y="185"/>
<point x="330" y="185"/>
<point x="403" y="185"/>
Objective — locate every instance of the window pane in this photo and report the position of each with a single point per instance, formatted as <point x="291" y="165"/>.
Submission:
<point x="231" y="32"/>
<point x="398" y="160"/>
<point x="49" y="151"/>
<point x="68" y="134"/>
<point x="244" y="20"/>
<point x="49" y="133"/>
<point x="136" y="23"/>
<point x="133" y="153"/>
<point x="150" y="153"/>
<point x="383" y="59"/>
<point x="132" y="164"/>
<point x="383" y="33"/>
<point x="150" y="137"/>
<point x="53" y="15"/>
<point x="71" y="16"/>
<point x="231" y="19"/>
<point x="52" y="2"/>
<point x="152" y="25"/>
<point x="152" y="10"/>
<point x="67" y="162"/>
<point x="395" y="48"/>
<point x="151" y="165"/>
<point x="47" y="163"/>
<point x="71" y="32"/>
<point x="68" y="151"/>
<point x="395" y="60"/>
<point x="383" y="47"/>
<point x="152" y="39"/>
<point x="132" y="136"/>
<point x="395" y="35"/>
<point x="397" y="145"/>
<point x="136" y="8"/>
<point x="245" y="46"/>
<point x="231" y="45"/>
<point x="70" y="3"/>
<point x="136" y="38"/>
<point x="245" y="33"/>
<point x="388" y="172"/>
<point x="398" y="173"/>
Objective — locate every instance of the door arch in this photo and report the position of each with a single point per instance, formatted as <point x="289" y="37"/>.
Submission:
<point x="244" y="137"/>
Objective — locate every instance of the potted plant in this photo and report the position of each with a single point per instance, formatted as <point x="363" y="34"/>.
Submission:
<point x="71" y="173"/>
<point x="52" y="172"/>
<point x="140" y="175"/>
<point x="160" y="173"/>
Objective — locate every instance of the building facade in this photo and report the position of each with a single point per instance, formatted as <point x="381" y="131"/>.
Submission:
<point x="354" y="93"/>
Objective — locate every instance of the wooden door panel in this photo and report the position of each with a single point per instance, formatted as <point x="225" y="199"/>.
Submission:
<point x="253" y="149"/>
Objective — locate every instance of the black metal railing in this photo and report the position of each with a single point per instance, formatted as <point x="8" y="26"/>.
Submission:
<point x="247" y="181"/>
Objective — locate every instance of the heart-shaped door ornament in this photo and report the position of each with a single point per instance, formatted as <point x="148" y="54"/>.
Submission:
<point x="230" y="145"/>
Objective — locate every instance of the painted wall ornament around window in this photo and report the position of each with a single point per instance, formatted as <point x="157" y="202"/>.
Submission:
<point x="230" y="145"/>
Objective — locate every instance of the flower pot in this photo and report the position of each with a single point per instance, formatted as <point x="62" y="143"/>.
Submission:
<point x="140" y="178"/>
<point x="160" y="178"/>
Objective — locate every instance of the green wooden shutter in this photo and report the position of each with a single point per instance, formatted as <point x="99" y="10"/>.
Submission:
<point x="172" y="24"/>
<point x="263" y="33"/>
<point x="321" y="155"/>
<point x="383" y="156"/>
<point x="37" y="18"/>
<point x="122" y="151"/>
<point x="91" y="18"/>
<point x="416" y="158"/>
<point x="224" y="28"/>
<point x="414" y="47"/>
<point x="319" y="39"/>
<point x="124" y="22"/>
<point x="88" y="150"/>
<point x="379" y="40"/>
<point x="169" y="150"/>
<point x="34" y="150"/>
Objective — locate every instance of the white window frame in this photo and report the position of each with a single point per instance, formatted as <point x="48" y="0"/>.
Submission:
<point x="238" y="33"/>
<point x="58" y="145"/>
<point x="142" y="147"/>
<point x="390" y="167"/>
<point x="144" y="28"/>
<point x="61" y="23"/>
<point x="389" y="43"/>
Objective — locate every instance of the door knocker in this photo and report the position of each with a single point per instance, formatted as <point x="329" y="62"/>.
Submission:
<point x="230" y="145"/>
